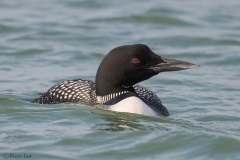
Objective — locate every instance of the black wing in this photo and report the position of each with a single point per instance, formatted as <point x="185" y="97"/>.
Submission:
<point x="75" y="91"/>
<point x="151" y="99"/>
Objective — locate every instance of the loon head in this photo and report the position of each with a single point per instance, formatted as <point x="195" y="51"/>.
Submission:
<point x="130" y="64"/>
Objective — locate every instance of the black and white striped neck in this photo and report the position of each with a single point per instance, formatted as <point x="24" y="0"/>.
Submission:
<point x="109" y="97"/>
<point x="118" y="94"/>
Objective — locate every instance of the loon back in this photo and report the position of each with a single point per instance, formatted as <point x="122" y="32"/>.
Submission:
<point x="83" y="92"/>
<point x="75" y="91"/>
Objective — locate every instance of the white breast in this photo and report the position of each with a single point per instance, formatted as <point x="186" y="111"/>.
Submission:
<point x="133" y="105"/>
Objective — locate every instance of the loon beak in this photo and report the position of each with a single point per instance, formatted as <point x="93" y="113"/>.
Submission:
<point x="172" y="65"/>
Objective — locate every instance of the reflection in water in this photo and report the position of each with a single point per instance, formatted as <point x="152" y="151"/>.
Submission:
<point x="116" y="121"/>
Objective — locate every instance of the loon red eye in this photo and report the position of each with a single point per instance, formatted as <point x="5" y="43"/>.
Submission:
<point x="135" y="60"/>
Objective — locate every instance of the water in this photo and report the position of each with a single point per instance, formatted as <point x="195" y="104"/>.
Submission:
<point x="45" y="42"/>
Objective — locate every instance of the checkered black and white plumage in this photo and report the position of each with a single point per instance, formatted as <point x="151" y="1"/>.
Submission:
<point x="151" y="99"/>
<point x="83" y="91"/>
<point x="74" y="91"/>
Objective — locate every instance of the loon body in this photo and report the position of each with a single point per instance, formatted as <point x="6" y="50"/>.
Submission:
<point x="115" y="86"/>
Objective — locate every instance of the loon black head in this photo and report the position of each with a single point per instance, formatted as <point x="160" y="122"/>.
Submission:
<point x="131" y="64"/>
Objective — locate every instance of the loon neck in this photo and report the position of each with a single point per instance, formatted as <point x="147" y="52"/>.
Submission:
<point x="115" y="94"/>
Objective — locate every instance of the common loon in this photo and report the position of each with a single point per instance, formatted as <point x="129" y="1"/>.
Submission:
<point x="115" y="86"/>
